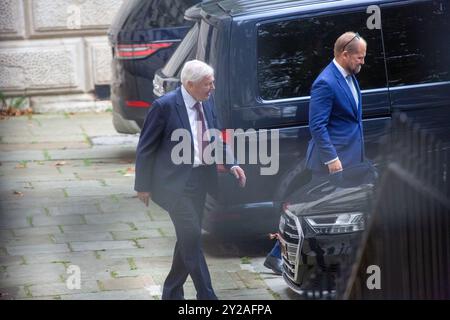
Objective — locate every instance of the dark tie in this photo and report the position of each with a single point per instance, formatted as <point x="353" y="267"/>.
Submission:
<point x="201" y="131"/>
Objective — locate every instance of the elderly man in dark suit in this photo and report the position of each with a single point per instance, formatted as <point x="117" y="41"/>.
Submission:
<point x="181" y="188"/>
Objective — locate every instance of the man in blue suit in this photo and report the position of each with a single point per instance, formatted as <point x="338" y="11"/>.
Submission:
<point x="335" y="110"/>
<point x="181" y="188"/>
<point x="334" y="119"/>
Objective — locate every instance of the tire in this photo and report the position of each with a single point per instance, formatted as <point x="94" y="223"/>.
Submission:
<point x="125" y="126"/>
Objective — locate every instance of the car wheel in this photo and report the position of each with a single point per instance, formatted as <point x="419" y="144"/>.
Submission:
<point x="125" y="126"/>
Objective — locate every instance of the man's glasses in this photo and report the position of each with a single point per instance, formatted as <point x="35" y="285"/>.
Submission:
<point x="356" y="36"/>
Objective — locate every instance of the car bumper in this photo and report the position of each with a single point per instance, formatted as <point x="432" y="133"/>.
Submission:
<point x="303" y="254"/>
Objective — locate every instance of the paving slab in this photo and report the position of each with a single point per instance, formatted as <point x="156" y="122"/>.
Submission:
<point x="127" y="283"/>
<point x="136" y="294"/>
<point x="7" y="261"/>
<point x="102" y="245"/>
<point x="135" y="253"/>
<point x="60" y="288"/>
<point x="33" y="249"/>
<point x="32" y="274"/>
<point x="98" y="227"/>
<point x="124" y="217"/>
<point x="79" y="209"/>
<point x="74" y="219"/>
<point x="138" y="234"/>
<point x="13" y="293"/>
<point x="26" y="240"/>
<point x="35" y="231"/>
<point x="82" y="236"/>
<point x="61" y="257"/>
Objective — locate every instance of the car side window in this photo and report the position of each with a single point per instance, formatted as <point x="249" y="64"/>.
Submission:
<point x="292" y="53"/>
<point x="163" y="13"/>
<point x="417" y="42"/>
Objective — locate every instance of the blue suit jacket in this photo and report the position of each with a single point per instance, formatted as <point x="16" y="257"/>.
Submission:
<point x="155" y="170"/>
<point x="335" y="122"/>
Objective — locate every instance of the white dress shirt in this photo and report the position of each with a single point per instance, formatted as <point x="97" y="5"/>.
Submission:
<point x="348" y="78"/>
<point x="189" y="102"/>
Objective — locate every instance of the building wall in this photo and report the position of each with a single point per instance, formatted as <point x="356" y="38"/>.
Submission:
<point x="56" y="51"/>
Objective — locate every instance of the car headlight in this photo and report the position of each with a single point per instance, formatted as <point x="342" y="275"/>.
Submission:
<point x="336" y="223"/>
<point x="158" y="89"/>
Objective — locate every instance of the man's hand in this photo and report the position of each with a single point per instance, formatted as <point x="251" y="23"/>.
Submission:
<point x="144" y="197"/>
<point x="239" y="173"/>
<point x="335" y="166"/>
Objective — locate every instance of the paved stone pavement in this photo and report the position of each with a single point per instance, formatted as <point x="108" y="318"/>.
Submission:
<point x="67" y="204"/>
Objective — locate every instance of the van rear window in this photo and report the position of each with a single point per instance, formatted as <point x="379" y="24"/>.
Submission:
<point x="417" y="42"/>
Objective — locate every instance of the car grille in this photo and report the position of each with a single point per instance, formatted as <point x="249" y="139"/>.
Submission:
<point x="291" y="242"/>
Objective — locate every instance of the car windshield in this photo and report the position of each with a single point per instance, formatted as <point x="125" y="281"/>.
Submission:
<point x="185" y="51"/>
<point x="138" y="15"/>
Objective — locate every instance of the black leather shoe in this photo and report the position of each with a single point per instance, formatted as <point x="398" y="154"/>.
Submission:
<point x="275" y="264"/>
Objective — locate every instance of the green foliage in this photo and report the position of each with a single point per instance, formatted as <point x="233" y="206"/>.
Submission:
<point x="2" y="100"/>
<point x="14" y="106"/>
<point x="17" y="103"/>
<point x="246" y="260"/>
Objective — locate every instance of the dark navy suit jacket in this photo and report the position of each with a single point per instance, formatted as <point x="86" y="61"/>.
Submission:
<point x="335" y="122"/>
<point x="155" y="170"/>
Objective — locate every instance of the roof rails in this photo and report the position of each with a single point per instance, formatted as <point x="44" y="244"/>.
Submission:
<point x="239" y="7"/>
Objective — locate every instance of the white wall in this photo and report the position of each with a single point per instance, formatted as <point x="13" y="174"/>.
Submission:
<point x="56" y="51"/>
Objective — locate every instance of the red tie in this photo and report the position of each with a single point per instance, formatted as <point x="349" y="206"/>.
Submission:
<point x="201" y="131"/>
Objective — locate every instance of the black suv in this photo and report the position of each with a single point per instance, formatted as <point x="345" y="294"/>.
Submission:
<point x="266" y="55"/>
<point x="143" y="36"/>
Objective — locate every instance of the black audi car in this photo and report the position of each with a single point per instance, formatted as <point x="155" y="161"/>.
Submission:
<point x="143" y="36"/>
<point x="321" y="224"/>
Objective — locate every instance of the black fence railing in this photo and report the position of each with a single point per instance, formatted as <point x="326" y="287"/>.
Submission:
<point x="407" y="239"/>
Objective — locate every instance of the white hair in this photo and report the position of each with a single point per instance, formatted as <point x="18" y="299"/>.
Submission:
<point x="195" y="70"/>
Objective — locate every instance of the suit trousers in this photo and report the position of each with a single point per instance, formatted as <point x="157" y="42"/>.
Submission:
<point x="188" y="257"/>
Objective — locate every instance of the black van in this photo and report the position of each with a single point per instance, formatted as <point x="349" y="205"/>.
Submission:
<point x="143" y="36"/>
<point x="266" y="55"/>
